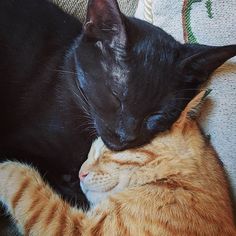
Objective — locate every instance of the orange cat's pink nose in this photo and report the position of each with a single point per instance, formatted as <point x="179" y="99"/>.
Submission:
<point x="82" y="175"/>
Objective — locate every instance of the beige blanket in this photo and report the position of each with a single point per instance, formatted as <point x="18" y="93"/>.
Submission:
<point x="78" y="7"/>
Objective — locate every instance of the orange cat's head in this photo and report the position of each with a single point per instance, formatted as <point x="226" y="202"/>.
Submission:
<point x="106" y="172"/>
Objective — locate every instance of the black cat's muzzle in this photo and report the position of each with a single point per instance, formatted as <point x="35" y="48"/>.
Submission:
<point x="116" y="145"/>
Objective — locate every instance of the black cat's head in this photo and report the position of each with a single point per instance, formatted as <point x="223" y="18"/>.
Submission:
<point x="136" y="77"/>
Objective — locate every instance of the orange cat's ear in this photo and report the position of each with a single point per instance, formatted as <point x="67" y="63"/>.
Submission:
<point x="192" y="110"/>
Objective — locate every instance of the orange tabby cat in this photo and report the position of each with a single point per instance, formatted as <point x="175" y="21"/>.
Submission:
<point x="173" y="186"/>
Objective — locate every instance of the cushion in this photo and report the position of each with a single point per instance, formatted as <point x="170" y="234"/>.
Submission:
<point x="209" y="22"/>
<point x="78" y="7"/>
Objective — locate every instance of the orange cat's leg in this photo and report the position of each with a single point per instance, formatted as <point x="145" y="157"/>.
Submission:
<point x="36" y="209"/>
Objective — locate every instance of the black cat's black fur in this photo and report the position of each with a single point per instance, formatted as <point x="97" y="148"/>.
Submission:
<point x="121" y="77"/>
<point x="42" y="120"/>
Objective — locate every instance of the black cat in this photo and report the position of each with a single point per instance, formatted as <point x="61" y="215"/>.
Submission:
<point x="121" y="77"/>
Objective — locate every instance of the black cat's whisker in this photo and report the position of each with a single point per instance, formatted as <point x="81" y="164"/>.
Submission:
<point x="83" y="121"/>
<point x="78" y="85"/>
<point x="91" y="126"/>
<point x="86" y="114"/>
<point x="186" y="90"/>
<point x="176" y="109"/>
<point x="82" y="95"/>
<point x="181" y="99"/>
<point x="166" y="115"/>
<point x="91" y="129"/>
<point x="92" y="134"/>
<point x="84" y="127"/>
<point x="84" y="105"/>
<point x="191" y="89"/>
<point x="182" y="90"/>
<point x="65" y="71"/>
<point x="88" y="125"/>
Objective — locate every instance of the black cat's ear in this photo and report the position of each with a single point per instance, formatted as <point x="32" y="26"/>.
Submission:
<point x="105" y="22"/>
<point x="202" y="60"/>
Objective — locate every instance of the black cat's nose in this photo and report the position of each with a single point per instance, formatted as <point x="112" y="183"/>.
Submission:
<point x="125" y="137"/>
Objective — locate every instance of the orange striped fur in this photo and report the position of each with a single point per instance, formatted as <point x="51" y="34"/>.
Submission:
<point x="172" y="186"/>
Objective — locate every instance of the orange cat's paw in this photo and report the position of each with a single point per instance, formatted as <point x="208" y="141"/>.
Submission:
<point x="7" y="171"/>
<point x="7" y="164"/>
<point x="11" y="174"/>
<point x="10" y="169"/>
<point x="6" y="168"/>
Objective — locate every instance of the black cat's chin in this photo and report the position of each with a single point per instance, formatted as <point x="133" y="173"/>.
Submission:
<point x="115" y="145"/>
<point x="119" y="147"/>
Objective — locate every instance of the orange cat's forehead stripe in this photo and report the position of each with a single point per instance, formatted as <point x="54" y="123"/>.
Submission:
<point x="149" y="153"/>
<point x="123" y="163"/>
<point x="24" y="185"/>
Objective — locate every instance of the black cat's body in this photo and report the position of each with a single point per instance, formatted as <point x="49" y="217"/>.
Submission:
<point x="126" y="78"/>
<point x="42" y="120"/>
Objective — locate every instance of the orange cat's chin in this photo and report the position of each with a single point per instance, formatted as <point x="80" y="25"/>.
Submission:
<point x="95" y="197"/>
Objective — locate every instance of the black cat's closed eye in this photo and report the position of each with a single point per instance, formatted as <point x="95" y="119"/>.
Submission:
<point x="152" y="120"/>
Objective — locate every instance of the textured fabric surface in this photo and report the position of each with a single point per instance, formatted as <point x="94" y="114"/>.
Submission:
<point x="78" y="7"/>
<point x="210" y="22"/>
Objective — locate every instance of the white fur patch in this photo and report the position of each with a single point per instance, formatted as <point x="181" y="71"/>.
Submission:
<point x="96" y="150"/>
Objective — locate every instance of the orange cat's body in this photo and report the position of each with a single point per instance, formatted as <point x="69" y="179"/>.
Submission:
<point x="173" y="186"/>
